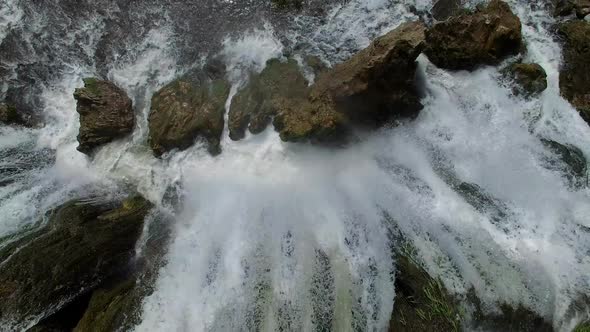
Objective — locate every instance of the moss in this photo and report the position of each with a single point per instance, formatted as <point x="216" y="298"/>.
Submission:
<point x="286" y="4"/>
<point x="583" y="327"/>
<point x="422" y="303"/>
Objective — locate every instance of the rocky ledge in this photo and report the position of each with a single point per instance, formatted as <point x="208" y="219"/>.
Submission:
<point x="106" y="114"/>
<point x="82" y="244"/>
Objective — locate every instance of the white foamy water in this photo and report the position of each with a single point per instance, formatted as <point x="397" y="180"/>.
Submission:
<point x="277" y="236"/>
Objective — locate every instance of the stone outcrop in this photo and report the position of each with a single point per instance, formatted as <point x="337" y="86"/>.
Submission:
<point x="570" y="161"/>
<point x="83" y="243"/>
<point x="574" y="76"/>
<point x="106" y="114"/>
<point x="530" y="78"/>
<point x="254" y="106"/>
<point x="187" y="109"/>
<point x="484" y="37"/>
<point x="375" y="85"/>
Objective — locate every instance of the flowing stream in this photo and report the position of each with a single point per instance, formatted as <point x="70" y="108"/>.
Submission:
<point x="275" y="236"/>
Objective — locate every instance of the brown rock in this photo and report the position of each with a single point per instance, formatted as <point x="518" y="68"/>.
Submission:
<point x="185" y="110"/>
<point x="481" y="38"/>
<point x="574" y="77"/>
<point x="106" y="114"/>
<point x="530" y="78"/>
<point x="254" y="105"/>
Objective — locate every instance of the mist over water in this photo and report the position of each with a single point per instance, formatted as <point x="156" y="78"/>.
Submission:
<point x="277" y="236"/>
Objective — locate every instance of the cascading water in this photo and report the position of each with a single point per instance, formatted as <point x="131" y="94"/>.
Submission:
<point x="276" y="236"/>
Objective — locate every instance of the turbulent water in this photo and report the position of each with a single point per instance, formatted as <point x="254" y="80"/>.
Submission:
<point x="279" y="236"/>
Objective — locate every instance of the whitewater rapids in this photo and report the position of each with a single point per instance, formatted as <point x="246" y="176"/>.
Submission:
<point x="277" y="236"/>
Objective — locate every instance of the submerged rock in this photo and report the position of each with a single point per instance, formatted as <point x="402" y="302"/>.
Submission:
<point x="574" y="76"/>
<point x="443" y="9"/>
<point x="83" y="243"/>
<point x="106" y="114"/>
<point x="467" y="41"/>
<point x="530" y="78"/>
<point x="254" y="105"/>
<point x="375" y="85"/>
<point x="186" y="109"/>
<point x="576" y="168"/>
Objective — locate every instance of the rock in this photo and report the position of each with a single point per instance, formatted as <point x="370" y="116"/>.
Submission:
<point x="467" y="41"/>
<point x="510" y="319"/>
<point x="574" y="76"/>
<point x="374" y="86"/>
<point x="566" y="7"/>
<point x="569" y="159"/>
<point x="186" y="109"/>
<point x="582" y="327"/>
<point x="421" y="302"/>
<point x="530" y="78"/>
<point x="83" y="243"/>
<point x="443" y="9"/>
<point x="285" y="4"/>
<point x="254" y="106"/>
<point x="106" y="114"/>
<point x="9" y="115"/>
<point x="316" y="64"/>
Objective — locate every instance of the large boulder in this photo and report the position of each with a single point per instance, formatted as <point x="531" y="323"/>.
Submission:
<point x="254" y="106"/>
<point x="83" y="243"/>
<point x="467" y="41"/>
<point x="530" y="78"/>
<point x="375" y="85"/>
<point x="106" y="114"/>
<point x="574" y="77"/>
<point x="189" y="108"/>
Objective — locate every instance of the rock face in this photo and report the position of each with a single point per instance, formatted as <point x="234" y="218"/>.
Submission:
<point x="375" y="85"/>
<point x="106" y="114"/>
<point x="530" y="78"/>
<point x="484" y="37"/>
<point x="82" y="244"/>
<point x="570" y="160"/>
<point x="186" y="109"/>
<point x="254" y="106"/>
<point x="574" y="77"/>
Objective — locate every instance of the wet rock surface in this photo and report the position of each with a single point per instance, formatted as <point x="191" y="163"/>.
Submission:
<point x="566" y="7"/>
<point x="570" y="160"/>
<point x="443" y="9"/>
<point x="189" y="108"/>
<point x="484" y="37"/>
<point x="254" y="105"/>
<point x="529" y="78"/>
<point x="574" y="76"/>
<point x="83" y="243"/>
<point x="106" y="114"/>
<point x="374" y="86"/>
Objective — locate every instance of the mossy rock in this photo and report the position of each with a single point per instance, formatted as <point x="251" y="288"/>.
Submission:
<point x="530" y="78"/>
<point x="583" y="327"/>
<point x="10" y="116"/>
<point x="287" y="4"/>
<point x="254" y="105"/>
<point x="421" y="303"/>
<point x="185" y="110"/>
<point x="83" y="243"/>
